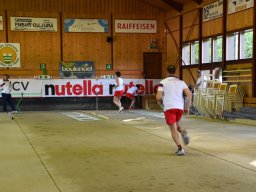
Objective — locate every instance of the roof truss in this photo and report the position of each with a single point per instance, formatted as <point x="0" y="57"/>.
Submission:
<point x="174" y="5"/>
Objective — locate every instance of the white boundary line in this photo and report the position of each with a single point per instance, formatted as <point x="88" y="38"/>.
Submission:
<point x="154" y="114"/>
<point x="79" y="116"/>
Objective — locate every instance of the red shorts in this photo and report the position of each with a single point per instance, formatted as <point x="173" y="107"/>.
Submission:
<point x="118" y="93"/>
<point x="173" y="116"/>
<point x="129" y="95"/>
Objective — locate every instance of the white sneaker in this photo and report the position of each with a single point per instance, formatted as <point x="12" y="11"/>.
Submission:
<point x="185" y="137"/>
<point x="14" y="112"/>
<point x="120" y="110"/>
<point x="180" y="152"/>
<point x="10" y="115"/>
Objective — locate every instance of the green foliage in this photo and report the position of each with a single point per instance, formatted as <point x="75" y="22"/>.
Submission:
<point x="248" y="38"/>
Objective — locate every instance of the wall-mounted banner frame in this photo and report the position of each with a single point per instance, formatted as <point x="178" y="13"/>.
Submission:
<point x="77" y="87"/>
<point x="239" y="5"/>
<point x="77" y="70"/>
<point x="86" y="25"/>
<point x="34" y="24"/>
<point x="1" y="23"/>
<point x="9" y="55"/>
<point x="213" y="11"/>
<point x="135" y="26"/>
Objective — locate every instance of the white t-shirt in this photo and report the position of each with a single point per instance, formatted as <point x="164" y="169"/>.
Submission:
<point x="132" y="90"/>
<point x="173" y="93"/>
<point x="7" y="86"/>
<point x="121" y="84"/>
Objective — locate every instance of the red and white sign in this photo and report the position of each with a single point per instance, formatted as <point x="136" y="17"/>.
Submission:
<point x="135" y="26"/>
<point x="77" y="87"/>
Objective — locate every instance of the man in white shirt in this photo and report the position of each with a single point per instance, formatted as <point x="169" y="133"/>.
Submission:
<point x="170" y="95"/>
<point x="6" y="87"/>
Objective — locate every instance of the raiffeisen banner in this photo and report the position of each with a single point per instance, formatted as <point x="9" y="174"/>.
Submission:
<point x="77" y="87"/>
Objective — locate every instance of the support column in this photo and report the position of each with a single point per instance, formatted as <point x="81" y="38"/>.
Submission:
<point x="254" y="52"/>
<point x="180" y="45"/>
<point x="200" y="37"/>
<point x="61" y="37"/>
<point x="224" y="34"/>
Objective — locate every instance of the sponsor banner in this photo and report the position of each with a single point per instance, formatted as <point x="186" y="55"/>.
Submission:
<point x="26" y="88"/>
<point x="9" y="55"/>
<point x="135" y="26"/>
<point x="86" y="25"/>
<point x="92" y="88"/>
<point x="34" y="24"/>
<point x="239" y="5"/>
<point x="213" y="11"/>
<point x="1" y="23"/>
<point x="77" y="70"/>
<point x="77" y="87"/>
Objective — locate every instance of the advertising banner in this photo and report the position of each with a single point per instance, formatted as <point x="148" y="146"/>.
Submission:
<point x="34" y="24"/>
<point x="92" y="88"/>
<point x="9" y="55"/>
<point x="26" y="88"/>
<point x="77" y="70"/>
<point x="86" y="25"/>
<point x="135" y="26"/>
<point x="239" y="5"/>
<point x="213" y="11"/>
<point x="1" y="23"/>
<point x="77" y="87"/>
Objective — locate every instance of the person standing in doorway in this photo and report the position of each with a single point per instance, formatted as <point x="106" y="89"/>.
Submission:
<point x="119" y="91"/>
<point x="170" y="95"/>
<point x="6" y="87"/>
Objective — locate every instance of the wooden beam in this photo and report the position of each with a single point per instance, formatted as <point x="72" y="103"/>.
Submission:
<point x="181" y="45"/>
<point x="198" y="1"/>
<point x="174" y="5"/>
<point x="200" y="35"/>
<point x="224" y="34"/>
<point x="254" y="53"/>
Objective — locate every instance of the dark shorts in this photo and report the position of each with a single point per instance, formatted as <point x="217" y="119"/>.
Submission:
<point x="173" y="116"/>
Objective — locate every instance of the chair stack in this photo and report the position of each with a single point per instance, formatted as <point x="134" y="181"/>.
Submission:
<point x="234" y="98"/>
<point x="216" y="98"/>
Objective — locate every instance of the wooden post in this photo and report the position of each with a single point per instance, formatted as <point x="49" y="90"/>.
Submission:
<point x="112" y="40"/>
<point x="254" y="52"/>
<point x="224" y="34"/>
<point x="180" y="46"/>
<point x="61" y="37"/>
<point x="6" y="27"/>
<point x="200" y="37"/>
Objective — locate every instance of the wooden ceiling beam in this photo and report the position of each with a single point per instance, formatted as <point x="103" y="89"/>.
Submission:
<point x="198" y="1"/>
<point x="174" y="5"/>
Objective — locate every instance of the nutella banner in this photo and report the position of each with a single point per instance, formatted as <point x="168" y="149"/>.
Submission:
<point x="77" y="87"/>
<point x="135" y="26"/>
<point x="213" y="11"/>
<point x="92" y="88"/>
<point x="239" y="5"/>
<point x="33" y="24"/>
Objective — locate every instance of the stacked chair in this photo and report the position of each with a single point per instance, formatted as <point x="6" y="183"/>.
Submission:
<point x="216" y="98"/>
<point x="234" y="99"/>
